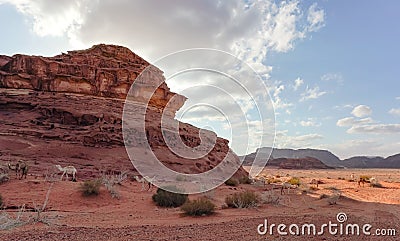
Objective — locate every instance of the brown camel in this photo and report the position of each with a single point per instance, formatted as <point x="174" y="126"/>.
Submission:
<point x="20" y="168"/>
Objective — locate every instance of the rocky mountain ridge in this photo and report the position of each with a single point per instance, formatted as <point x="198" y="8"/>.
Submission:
<point x="68" y="110"/>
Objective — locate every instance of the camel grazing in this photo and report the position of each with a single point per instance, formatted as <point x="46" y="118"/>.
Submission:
<point x="67" y="170"/>
<point x="361" y="181"/>
<point x="21" y="169"/>
<point x="284" y="186"/>
<point x="144" y="180"/>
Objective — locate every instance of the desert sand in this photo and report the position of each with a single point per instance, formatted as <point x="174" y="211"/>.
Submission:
<point x="71" y="216"/>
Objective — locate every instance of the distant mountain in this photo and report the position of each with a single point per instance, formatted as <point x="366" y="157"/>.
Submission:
<point x="297" y="163"/>
<point x="326" y="157"/>
<point x="373" y="162"/>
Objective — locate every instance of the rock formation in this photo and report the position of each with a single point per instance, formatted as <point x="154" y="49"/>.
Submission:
<point x="68" y="109"/>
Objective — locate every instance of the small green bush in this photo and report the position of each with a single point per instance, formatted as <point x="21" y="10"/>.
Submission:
<point x="246" y="199"/>
<point x="199" y="207"/>
<point x="232" y="182"/>
<point x="245" y="180"/>
<point x="164" y="198"/>
<point x="90" y="187"/>
<point x="294" y="181"/>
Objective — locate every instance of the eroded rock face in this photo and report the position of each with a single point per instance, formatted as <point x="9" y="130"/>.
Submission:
<point x="53" y="111"/>
<point x="103" y="70"/>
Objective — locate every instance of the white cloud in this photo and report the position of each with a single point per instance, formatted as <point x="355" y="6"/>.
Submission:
<point x="155" y="28"/>
<point x="364" y="147"/>
<point x="309" y="123"/>
<point x="333" y="77"/>
<point x="297" y="83"/>
<point x="395" y="112"/>
<point x="312" y="93"/>
<point x="375" y="129"/>
<point x="350" y="121"/>
<point x="283" y="140"/>
<point x="278" y="102"/>
<point x="361" y="111"/>
<point x="398" y="98"/>
<point x="316" y="18"/>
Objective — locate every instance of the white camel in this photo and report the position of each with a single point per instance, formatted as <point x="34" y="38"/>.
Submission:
<point x="67" y="170"/>
<point x="144" y="180"/>
<point x="288" y="186"/>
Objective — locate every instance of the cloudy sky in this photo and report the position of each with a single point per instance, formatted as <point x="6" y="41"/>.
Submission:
<point x="331" y="66"/>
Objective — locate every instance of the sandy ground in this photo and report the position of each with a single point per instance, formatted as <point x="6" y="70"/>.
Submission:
<point x="135" y="217"/>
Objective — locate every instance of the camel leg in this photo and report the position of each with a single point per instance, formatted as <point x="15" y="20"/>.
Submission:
<point x="62" y="176"/>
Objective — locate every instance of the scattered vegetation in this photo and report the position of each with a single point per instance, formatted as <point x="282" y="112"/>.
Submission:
<point x="270" y="198"/>
<point x="273" y="180"/>
<point x="164" y="198"/>
<point x="233" y="182"/>
<point x="341" y="178"/>
<point x="4" y="178"/>
<point x="323" y="196"/>
<point x="332" y="200"/>
<point x="199" y="207"/>
<point x="246" y="199"/>
<point x="10" y="221"/>
<point x="245" y="180"/>
<point x="294" y="181"/>
<point x="110" y="181"/>
<point x="90" y="187"/>
<point x="180" y="178"/>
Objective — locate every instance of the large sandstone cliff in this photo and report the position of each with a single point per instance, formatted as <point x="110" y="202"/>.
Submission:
<point x="68" y="109"/>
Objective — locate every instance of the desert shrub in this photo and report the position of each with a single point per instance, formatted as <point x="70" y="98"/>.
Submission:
<point x="323" y="196"/>
<point x="164" y="198"/>
<point x="90" y="187"/>
<point x="4" y="178"/>
<point x="273" y="180"/>
<point x="294" y="181"/>
<point x="246" y="199"/>
<point x="341" y="178"/>
<point x="270" y="198"/>
<point x="332" y="200"/>
<point x="232" y="182"/>
<point x="199" y="207"/>
<point x="180" y="178"/>
<point x="245" y="180"/>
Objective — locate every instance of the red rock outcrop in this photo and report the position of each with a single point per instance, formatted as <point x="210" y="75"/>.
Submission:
<point x="68" y="109"/>
<point x="103" y="70"/>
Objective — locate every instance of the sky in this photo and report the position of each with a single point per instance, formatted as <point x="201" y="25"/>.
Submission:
<point x="330" y="67"/>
